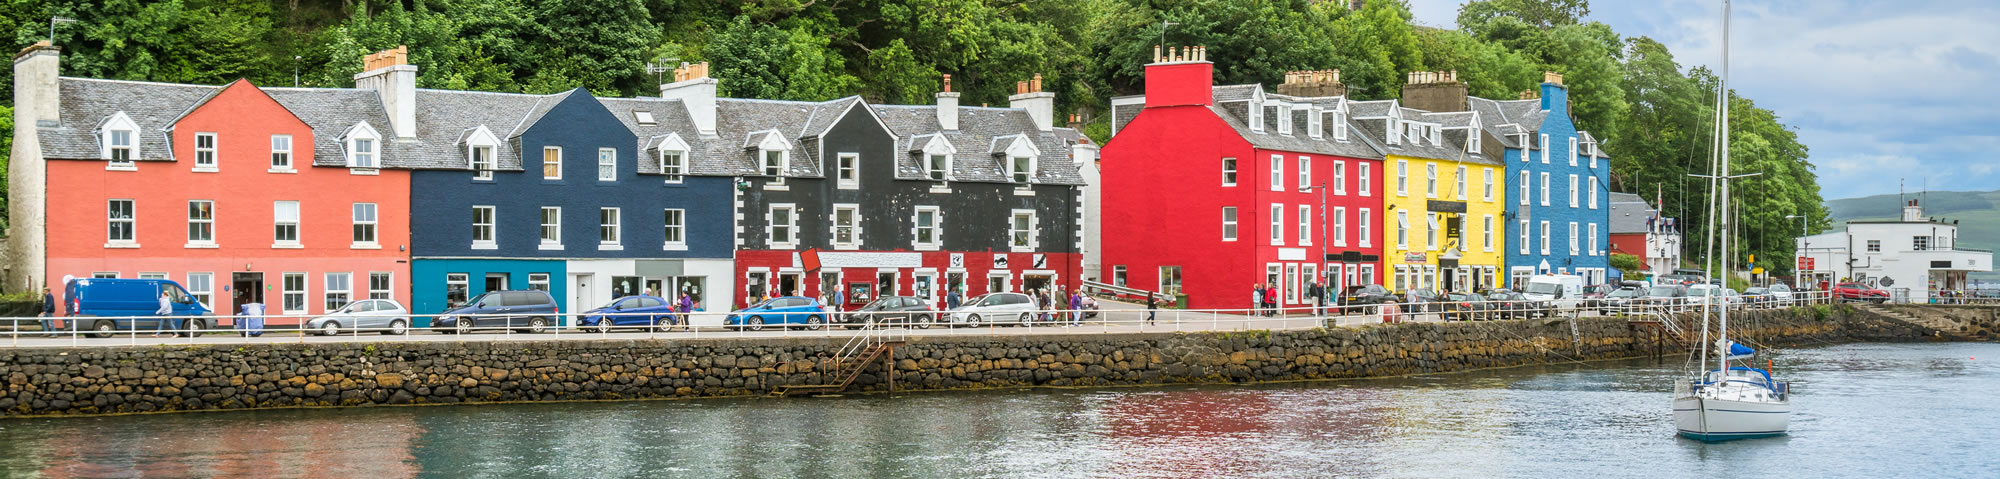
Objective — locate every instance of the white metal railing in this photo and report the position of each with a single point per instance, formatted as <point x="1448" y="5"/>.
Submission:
<point x="875" y="327"/>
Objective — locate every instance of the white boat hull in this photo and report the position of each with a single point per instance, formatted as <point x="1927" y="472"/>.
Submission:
<point x="1711" y="419"/>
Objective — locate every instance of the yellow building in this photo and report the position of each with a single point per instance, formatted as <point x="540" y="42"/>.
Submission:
<point x="1443" y="202"/>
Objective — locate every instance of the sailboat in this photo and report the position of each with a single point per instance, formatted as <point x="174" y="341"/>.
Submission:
<point x="1727" y="401"/>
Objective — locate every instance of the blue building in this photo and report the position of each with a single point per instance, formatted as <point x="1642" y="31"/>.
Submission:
<point x="548" y="192"/>
<point x="1559" y="211"/>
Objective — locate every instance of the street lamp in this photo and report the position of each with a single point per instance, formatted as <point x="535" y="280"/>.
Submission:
<point x="1321" y="301"/>
<point x="52" y="26"/>
<point x="295" y="71"/>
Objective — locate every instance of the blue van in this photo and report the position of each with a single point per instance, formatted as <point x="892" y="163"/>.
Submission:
<point x="530" y="311"/>
<point x="108" y="305"/>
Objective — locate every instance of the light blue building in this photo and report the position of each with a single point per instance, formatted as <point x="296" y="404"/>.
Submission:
<point x="1558" y="210"/>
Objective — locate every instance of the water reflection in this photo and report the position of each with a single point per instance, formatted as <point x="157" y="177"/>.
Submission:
<point x="1866" y="410"/>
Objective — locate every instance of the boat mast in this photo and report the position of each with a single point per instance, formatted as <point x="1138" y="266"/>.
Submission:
<point x="1722" y="353"/>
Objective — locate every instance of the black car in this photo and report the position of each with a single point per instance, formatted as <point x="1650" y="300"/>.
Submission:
<point x="1510" y="304"/>
<point x="1365" y="295"/>
<point x="1428" y="300"/>
<point x="1619" y="301"/>
<point x="891" y="310"/>
<point x="1670" y="296"/>
<point x="1467" y="307"/>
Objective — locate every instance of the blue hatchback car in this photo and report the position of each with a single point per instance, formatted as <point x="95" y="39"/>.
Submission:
<point x="631" y="312"/>
<point x="784" y="312"/>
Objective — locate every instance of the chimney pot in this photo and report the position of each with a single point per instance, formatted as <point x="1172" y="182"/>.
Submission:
<point x="1035" y="85"/>
<point x="1156" y="53"/>
<point x="1020" y="87"/>
<point x="947" y="83"/>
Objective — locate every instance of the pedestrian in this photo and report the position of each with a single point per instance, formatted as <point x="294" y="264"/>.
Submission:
<point x="951" y="299"/>
<point x="166" y="322"/>
<point x="649" y="291"/>
<point x="1076" y="307"/>
<point x="1152" y="306"/>
<point x="48" y="311"/>
<point x="1271" y="299"/>
<point x="1313" y="292"/>
<point x="1257" y="299"/>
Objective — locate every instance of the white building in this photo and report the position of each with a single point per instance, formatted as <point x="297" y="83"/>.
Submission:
<point x="1638" y="229"/>
<point x="1910" y="257"/>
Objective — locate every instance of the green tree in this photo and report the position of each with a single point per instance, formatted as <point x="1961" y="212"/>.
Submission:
<point x="1539" y="13"/>
<point x="894" y="76"/>
<point x="765" y="61"/>
<point x="1629" y="264"/>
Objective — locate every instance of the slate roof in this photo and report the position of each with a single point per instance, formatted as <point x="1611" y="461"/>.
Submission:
<point x="87" y="103"/>
<point x="331" y="111"/>
<point x="1629" y="213"/>
<point x="737" y="118"/>
<point x="1507" y="119"/>
<point x="974" y="143"/>
<point x="445" y="118"/>
<point x="1232" y="104"/>
<point x="670" y="117"/>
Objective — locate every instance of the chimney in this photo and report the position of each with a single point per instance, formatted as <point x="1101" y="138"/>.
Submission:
<point x="393" y="78"/>
<point x="1436" y="91"/>
<point x="1312" y="83"/>
<point x="1528" y="95"/>
<point x="1041" y="105"/>
<point x="947" y="107"/>
<point x="1175" y="82"/>
<point x="696" y="90"/>
<point x="1912" y="212"/>
<point x="1075" y="122"/>
<point x="1555" y="96"/>
<point x="37" y="97"/>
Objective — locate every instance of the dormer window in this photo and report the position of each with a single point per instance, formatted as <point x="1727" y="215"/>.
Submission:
<point x="773" y="155"/>
<point x="1256" y="115"/>
<point x="1020" y="159"/>
<point x="1021" y="167"/>
<point x="121" y="146"/>
<point x="1434" y="132"/>
<point x="363" y="146"/>
<point x="644" y="117"/>
<point x="1284" y="119"/>
<point x="1340" y="125"/>
<point x="119" y="140"/>
<point x="1313" y="123"/>
<point x="937" y="155"/>
<point x="774" y="163"/>
<point x="937" y="165"/>
<point x="479" y="145"/>
<point x="1395" y="128"/>
<point x="672" y="153"/>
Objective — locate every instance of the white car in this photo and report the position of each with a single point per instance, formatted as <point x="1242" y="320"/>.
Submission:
<point x="1701" y="294"/>
<point x="385" y="316"/>
<point x="997" y="308"/>
<point x="1781" y="295"/>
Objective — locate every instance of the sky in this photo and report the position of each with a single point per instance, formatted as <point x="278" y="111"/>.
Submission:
<point x="1877" y="90"/>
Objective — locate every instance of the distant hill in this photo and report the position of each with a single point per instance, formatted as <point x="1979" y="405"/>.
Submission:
<point x="1976" y="212"/>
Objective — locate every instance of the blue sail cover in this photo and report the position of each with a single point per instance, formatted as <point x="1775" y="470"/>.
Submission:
<point x="1739" y="351"/>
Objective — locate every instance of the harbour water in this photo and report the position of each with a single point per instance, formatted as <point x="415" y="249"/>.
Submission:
<point x="1863" y="410"/>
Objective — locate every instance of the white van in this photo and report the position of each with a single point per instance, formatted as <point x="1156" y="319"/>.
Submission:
<point x="1562" y="292"/>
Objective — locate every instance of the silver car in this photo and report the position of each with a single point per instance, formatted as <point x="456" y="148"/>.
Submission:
<point x="369" y="315"/>
<point x="998" y="308"/>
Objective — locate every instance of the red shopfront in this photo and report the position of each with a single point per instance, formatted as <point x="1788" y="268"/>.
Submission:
<point x="866" y="275"/>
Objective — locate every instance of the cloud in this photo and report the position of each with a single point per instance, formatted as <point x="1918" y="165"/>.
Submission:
<point x="1876" y="90"/>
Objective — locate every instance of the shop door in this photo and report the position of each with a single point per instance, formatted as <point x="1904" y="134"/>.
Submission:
<point x="1038" y="283"/>
<point x="885" y="284"/>
<point x="656" y="287"/>
<point x="924" y="287"/>
<point x="829" y="281"/>
<point x="247" y="288"/>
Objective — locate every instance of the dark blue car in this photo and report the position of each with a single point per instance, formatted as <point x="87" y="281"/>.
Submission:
<point x="631" y="312"/>
<point x="783" y="312"/>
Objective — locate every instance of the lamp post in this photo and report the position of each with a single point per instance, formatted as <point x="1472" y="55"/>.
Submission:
<point x="52" y="26"/>
<point x="1321" y="301"/>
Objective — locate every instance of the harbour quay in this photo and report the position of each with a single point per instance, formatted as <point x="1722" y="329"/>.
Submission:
<point x="161" y="378"/>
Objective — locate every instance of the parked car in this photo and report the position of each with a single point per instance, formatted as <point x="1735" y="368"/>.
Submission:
<point x="1561" y="292"/>
<point x="369" y="315"/>
<point x="1428" y="300"/>
<point x="782" y="311"/>
<point x="631" y="312"/>
<point x="1467" y="307"/>
<point x="525" y="310"/>
<point x="1667" y="295"/>
<point x="1758" y="297"/>
<point x="1708" y="294"/>
<point x="1781" y="295"/>
<point x="1511" y="304"/>
<point x="1364" y="295"/>
<point x="1852" y="291"/>
<point x="1001" y="308"/>
<point x="1619" y="300"/>
<point x="105" y="305"/>
<point x="1594" y="293"/>
<point x="1680" y="279"/>
<point x="890" y="310"/>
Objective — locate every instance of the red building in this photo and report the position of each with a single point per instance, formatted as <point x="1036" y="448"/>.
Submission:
<point x="239" y="193"/>
<point x="1206" y="188"/>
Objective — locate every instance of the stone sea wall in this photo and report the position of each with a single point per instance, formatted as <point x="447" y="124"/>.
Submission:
<point x="111" y="380"/>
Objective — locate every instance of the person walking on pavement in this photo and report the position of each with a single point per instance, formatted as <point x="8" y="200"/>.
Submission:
<point x="1270" y="299"/>
<point x="1076" y="307"/>
<point x="166" y="322"/>
<point x="48" y="311"/>
<point x="1256" y="299"/>
<point x="1152" y="306"/>
<point x="951" y="299"/>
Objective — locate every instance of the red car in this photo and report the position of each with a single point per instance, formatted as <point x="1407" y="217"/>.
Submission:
<point x="1859" y="292"/>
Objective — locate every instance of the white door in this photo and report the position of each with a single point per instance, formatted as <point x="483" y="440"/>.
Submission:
<point x="580" y="293"/>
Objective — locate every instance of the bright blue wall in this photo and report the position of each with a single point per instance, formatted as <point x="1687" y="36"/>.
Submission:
<point x="428" y="288"/>
<point x="1558" y="213"/>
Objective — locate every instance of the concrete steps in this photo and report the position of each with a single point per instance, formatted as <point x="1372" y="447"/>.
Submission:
<point x="1938" y="323"/>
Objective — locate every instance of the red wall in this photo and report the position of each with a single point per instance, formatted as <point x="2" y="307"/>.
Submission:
<point x="1162" y="204"/>
<point x="243" y="189"/>
<point x="1630" y="243"/>
<point x="1177" y="84"/>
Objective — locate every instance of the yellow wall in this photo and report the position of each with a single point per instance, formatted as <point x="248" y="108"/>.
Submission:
<point x="1413" y="202"/>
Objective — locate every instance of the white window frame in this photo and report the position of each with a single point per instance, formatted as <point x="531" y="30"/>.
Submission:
<point x="203" y="293"/>
<point x="1430" y="180"/>
<point x="481" y="160"/>
<point x="130" y="147"/>
<point x="281" y="154"/>
<point x="1545" y="238"/>
<point x="612" y="226"/>
<point x="847" y="170"/>
<point x="1402" y="177"/>
<point x="364" y="137"/>
<point x="1277" y="224"/>
<point x="491" y="227"/>
<point x="1592" y="245"/>
<point x="1284" y="119"/>
<point x="372" y="224"/>
<point x="936" y="228"/>
<point x="205" y="156"/>
<point x="1305" y="225"/>
<point x="673" y="229"/>
<point x="328" y="290"/>
<point x="607" y="157"/>
<point x="1430" y="231"/>
<point x="1367" y="171"/>
<point x="1305" y="171"/>
<point x="1277" y="172"/>
<point x="1574" y="243"/>
<point x="208" y="225"/>
<point x="1572" y="151"/>
<point x="1545" y="148"/>
<point x="386" y="290"/>
<point x="279" y="219"/>
<point x="1460" y="182"/>
<point x="1257" y="114"/>
<point x="1402" y="229"/>
<point x="1572" y="191"/>
<point x="1525" y="232"/>
<point x="1545" y="188"/>
<point x="790" y="226"/>
<point x="1489" y="185"/>
<point x="1020" y="176"/>
<point x="538" y="281"/>
<point x="1527" y="183"/>
<point x="1593" y="191"/>
<point x="1229" y="221"/>
<point x="1314" y="124"/>
<point x="853" y="226"/>
<point x="1339" y="178"/>
<point x="938" y="166"/>
<point x="1340" y="126"/>
<point x="548" y="165"/>
<point x="285" y="292"/>
<point x="1229" y="168"/>
<point x="673" y="164"/>
<point x="550" y="229"/>
<point x="1033" y="232"/>
<point x="1340" y="226"/>
<point x="1367" y="219"/>
<point x="1486" y="231"/>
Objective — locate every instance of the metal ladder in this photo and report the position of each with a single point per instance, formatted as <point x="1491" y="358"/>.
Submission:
<point x="874" y="342"/>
